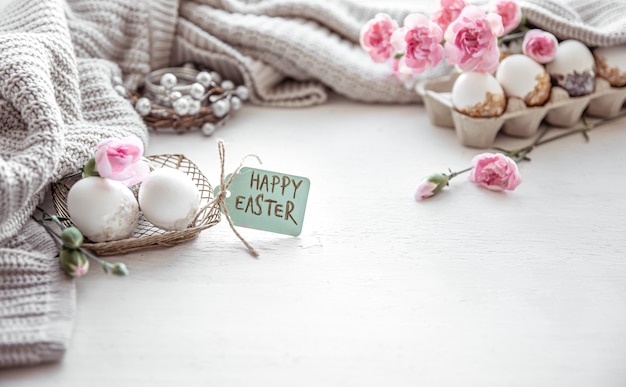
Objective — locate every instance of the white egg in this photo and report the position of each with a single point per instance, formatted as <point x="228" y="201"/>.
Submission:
<point x="611" y="64"/>
<point x="573" y="68"/>
<point x="478" y="95"/>
<point x="102" y="209"/>
<point x="169" y="199"/>
<point x="523" y="78"/>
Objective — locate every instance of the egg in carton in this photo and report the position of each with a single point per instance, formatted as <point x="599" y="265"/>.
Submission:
<point x="558" y="94"/>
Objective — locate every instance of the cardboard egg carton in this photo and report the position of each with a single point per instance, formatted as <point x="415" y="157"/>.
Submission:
<point x="518" y="120"/>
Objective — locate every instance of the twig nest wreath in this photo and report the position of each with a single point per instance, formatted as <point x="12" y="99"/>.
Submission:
<point x="185" y="98"/>
<point x="611" y="64"/>
<point x="523" y="78"/>
<point x="573" y="68"/>
<point x="478" y="94"/>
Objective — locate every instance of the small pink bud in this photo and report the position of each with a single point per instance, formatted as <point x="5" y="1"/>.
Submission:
<point x="430" y="186"/>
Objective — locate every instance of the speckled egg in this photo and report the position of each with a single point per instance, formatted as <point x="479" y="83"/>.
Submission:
<point x="573" y="68"/>
<point x="478" y="95"/>
<point x="523" y="78"/>
<point x="611" y="64"/>
<point x="102" y="209"/>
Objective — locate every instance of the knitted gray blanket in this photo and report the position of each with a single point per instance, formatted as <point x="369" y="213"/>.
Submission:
<point x="57" y="102"/>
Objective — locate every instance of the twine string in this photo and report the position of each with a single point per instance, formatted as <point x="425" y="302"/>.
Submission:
<point x="220" y="198"/>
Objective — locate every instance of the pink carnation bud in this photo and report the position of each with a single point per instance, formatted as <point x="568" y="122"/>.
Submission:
<point x="73" y="261"/>
<point x="495" y="171"/>
<point x="420" y="40"/>
<point x="121" y="159"/>
<point x="430" y="186"/>
<point x="472" y="40"/>
<point x="449" y="10"/>
<point x="540" y="46"/>
<point x="510" y="12"/>
<point x="375" y="37"/>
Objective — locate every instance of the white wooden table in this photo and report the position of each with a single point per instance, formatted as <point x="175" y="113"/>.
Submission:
<point x="469" y="288"/>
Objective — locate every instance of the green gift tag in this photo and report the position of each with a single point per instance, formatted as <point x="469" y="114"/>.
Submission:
<point x="266" y="200"/>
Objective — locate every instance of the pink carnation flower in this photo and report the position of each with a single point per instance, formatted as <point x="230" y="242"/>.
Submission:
<point x="449" y="10"/>
<point x="472" y="40"/>
<point x="540" y="46"/>
<point x="375" y="37"/>
<point x="420" y="40"/>
<point x="495" y="171"/>
<point x="510" y="13"/>
<point x="120" y="159"/>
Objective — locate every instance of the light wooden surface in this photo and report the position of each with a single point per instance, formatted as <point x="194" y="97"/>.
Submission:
<point x="470" y="288"/>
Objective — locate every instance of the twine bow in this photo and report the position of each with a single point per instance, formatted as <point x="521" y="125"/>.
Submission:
<point x="220" y="198"/>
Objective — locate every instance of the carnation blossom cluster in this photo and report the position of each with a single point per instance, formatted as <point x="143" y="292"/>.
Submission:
<point x="470" y="38"/>
<point x="463" y="35"/>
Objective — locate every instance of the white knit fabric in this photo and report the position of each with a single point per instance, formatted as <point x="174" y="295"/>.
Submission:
<point x="596" y="23"/>
<point x="291" y="52"/>
<point x="57" y="102"/>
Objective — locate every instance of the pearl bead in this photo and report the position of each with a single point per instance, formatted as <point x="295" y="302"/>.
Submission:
<point x="208" y="128"/>
<point x="216" y="77"/>
<point x="204" y="78"/>
<point x="242" y="92"/>
<point x="197" y="91"/>
<point x="168" y="80"/>
<point x="175" y="95"/>
<point x="228" y="85"/>
<point x="143" y="106"/>
<point x="181" y="106"/>
<point x="194" y="107"/>
<point x="220" y="108"/>
<point x="235" y="103"/>
<point x="121" y="90"/>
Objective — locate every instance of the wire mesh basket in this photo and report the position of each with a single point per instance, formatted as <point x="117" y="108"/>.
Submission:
<point x="146" y="235"/>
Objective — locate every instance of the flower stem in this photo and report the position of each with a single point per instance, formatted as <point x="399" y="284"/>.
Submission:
<point x="452" y="175"/>
<point x="117" y="268"/>
<point x="521" y="154"/>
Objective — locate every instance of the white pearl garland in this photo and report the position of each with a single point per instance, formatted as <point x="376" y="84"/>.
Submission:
<point x="186" y="91"/>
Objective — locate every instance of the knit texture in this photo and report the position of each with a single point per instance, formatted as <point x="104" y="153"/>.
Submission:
<point x="595" y="23"/>
<point x="57" y="102"/>
<point x="291" y="52"/>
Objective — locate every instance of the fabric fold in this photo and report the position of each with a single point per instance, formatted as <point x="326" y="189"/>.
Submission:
<point x="57" y="102"/>
<point x="596" y="24"/>
<point x="300" y="49"/>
